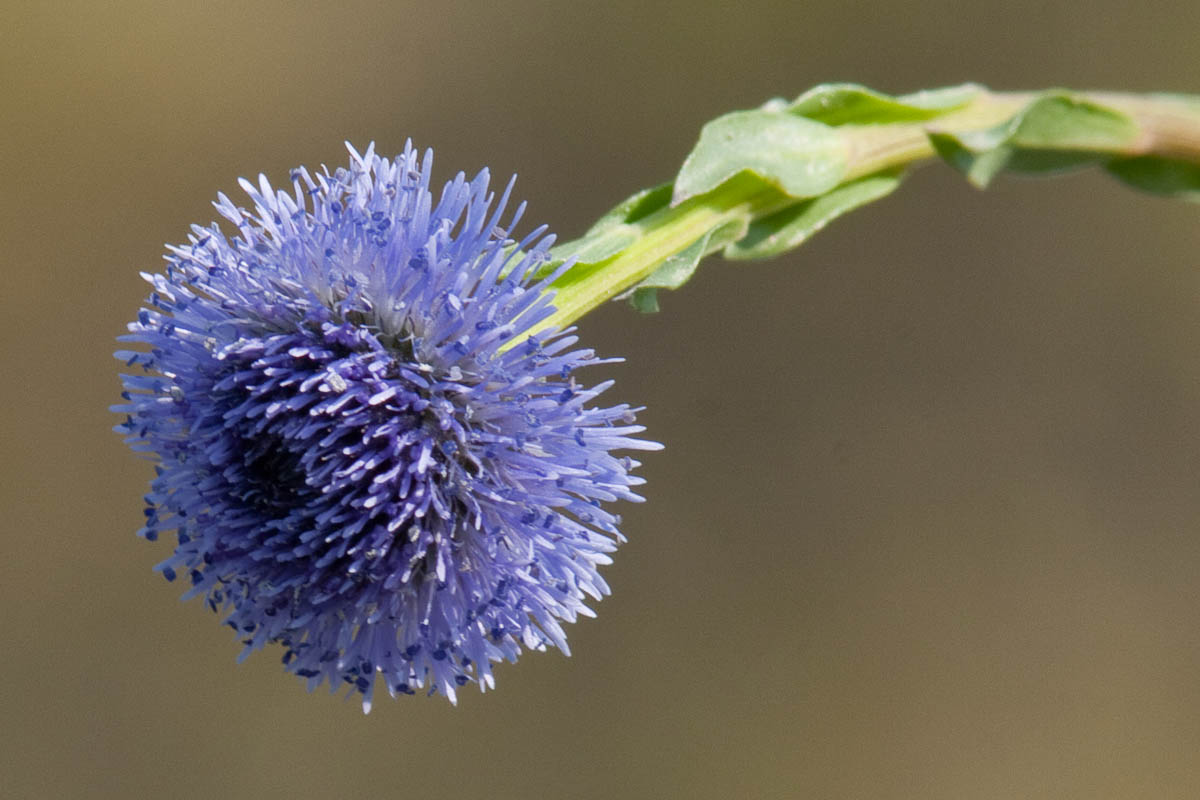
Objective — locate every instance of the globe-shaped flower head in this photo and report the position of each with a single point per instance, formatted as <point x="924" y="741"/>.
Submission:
<point x="364" y="454"/>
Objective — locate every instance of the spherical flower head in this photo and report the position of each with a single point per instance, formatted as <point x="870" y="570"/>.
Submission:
<point x="363" y="453"/>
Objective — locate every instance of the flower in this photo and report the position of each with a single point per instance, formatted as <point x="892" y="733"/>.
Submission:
<point x="363" y="453"/>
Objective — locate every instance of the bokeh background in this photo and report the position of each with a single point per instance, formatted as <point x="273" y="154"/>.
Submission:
<point x="928" y="521"/>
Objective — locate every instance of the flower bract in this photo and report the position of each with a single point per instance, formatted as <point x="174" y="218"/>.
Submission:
<point x="363" y="454"/>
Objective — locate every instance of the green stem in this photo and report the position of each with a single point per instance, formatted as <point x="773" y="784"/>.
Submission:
<point x="660" y="236"/>
<point x="1165" y="126"/>
<point x="874" y="148"/>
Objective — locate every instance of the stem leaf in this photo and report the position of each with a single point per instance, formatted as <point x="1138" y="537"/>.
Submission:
<point x="614" y="231"/>
<point x="798" y="156"/>
<point x="677" y="270"/>
<point x="1162" y="176"/>
<point x="841" y="103"/>
<point x="1056" y="131"/>
<point x="791" y="227"/>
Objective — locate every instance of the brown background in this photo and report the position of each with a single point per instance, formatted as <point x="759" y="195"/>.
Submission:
<point x="927" y="524"/>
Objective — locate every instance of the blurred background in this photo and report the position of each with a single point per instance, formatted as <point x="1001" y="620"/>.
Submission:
<point x="928" y="521"/>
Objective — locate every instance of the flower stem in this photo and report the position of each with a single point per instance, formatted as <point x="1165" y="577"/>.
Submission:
<point x="1164" y="126"/>
<point x="660" y="236"/>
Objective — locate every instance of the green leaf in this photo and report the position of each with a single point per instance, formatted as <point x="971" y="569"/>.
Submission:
<point x="840" y="103"/>
<point x="1060" y="121"/>
<point x="979" y="166"/>
<point x="678" y="269"/>
<point x="800" y="157"/>
<point x="633" y="208"/>
<point x="789" y="228"/>
<point x="613" y="232"/>
<point x="644" y="301"/>
<point x="1162" y="176"/>
<point x="1054" y="132"/>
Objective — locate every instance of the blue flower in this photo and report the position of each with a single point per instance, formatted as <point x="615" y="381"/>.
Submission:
<point x="362" y="452"/>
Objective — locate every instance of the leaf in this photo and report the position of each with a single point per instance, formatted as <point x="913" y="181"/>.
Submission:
<point x="635" y="207"/>
<point x="840" y="103"/>
<point x="789" y="228"/>
<point x="1162" y="176"/>
<point x="979" y="166"/>
<point x="613" y="232"/>
<point x="1059" y="121"/>
<point x="1054" y="132"/>
<point x="678" y="269"/>
<point x="800" y="157"/>
<point x="644" y="301"/>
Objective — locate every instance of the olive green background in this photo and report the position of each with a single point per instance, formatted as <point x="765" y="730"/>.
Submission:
<point x="928" y="520"/>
